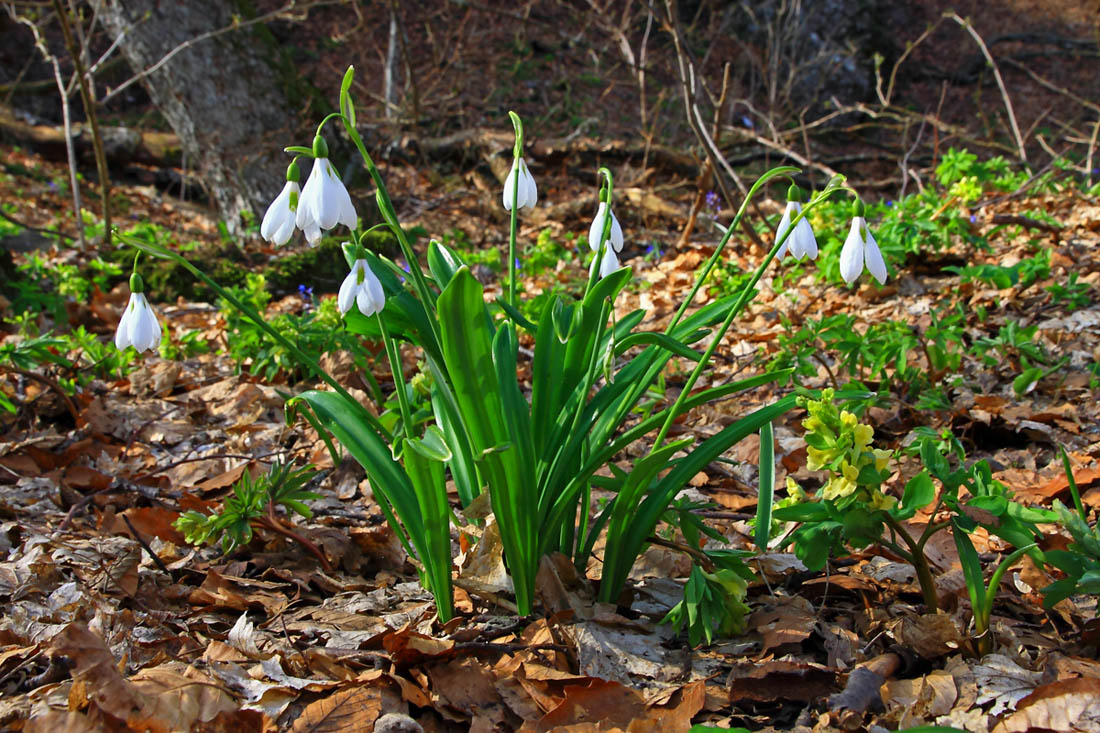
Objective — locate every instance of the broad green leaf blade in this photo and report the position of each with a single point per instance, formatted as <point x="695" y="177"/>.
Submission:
<point x="919" y="492"/>
<point x="432" y="446"/>
<point x="971" y="567"/>
<point x="468" y="357"/>
<point x="443" y="262"/>
<point x="767" y="486"/>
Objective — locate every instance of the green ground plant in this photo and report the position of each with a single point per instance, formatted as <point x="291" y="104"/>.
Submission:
<point x="254" y="504"/>
<point x="538" y="456"/>
<point x="851" y="510"/>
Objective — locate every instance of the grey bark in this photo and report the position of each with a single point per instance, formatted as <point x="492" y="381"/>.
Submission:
<point x="220" y="95"/>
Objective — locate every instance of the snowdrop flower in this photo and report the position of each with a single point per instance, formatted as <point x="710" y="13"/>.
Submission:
<point x="595" y="232"/>
<point x="363" y="288"/>
<point x="324" y="202"/>
<point x="278" y="224"/>
<point x="861" y="249"/>
<point x="614" y="244"/>
<point x="608" y="264"/>
<point x="801" y="242"/>
<point x="138" y="327"/>
<point x="528" y="193"/>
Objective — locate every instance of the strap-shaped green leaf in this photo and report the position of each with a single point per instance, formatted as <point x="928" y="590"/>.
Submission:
<point x="623" y="549"/>
<point x="658" y="339"/>
<point x="971" y="567"/>
<point x="767" y="486"/>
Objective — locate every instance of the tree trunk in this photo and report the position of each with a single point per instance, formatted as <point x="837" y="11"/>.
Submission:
<point x="220" y="95"/>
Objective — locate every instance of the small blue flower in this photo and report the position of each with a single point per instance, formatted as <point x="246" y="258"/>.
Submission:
<point x="713" y="201"/>
<point x="973" y="218"/>
<point x="747" y="122"/>
<point x="53" y="185"/>
<point x="305" y="292"/>
<point x="518" y="265"/>
<point x="889" y="203"/>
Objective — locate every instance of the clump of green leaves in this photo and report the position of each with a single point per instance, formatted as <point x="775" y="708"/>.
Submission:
<point x="1080" y="561"/>
<point x="714" y="598"/>
<point x="851" y="509"/>
<point x="316" y="331"/>
<point x="1074" y="295"/>
<point x="253" y="503"/>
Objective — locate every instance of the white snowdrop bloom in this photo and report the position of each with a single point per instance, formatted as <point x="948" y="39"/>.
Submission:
<point x="528" y="193"/>
<point x="608" y="264"/>
<point x="614" y="239"/>
<point x="801" y="242"/>
<point x="860" y="248"/>
<point x="278" y="223"/>
<point x="363" y="288"/>
<point x="324" y="202"/>
<point x="138" y="327"/>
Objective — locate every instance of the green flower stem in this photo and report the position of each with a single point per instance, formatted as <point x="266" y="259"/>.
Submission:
<point x="513" y="217"/>
<point x="920" y="562"/>
<point x="385" y="207"/>
<point x="735" y="311"/>
<point x="774" y="172"/>
<point x="396" y="368"/>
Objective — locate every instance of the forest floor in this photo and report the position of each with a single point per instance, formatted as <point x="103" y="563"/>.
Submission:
<point x="986" y="335"/>
<point x="111" y="622"/>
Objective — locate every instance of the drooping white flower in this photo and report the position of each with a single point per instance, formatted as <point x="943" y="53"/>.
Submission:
<point x="138" y="327"/>
<point x="278" y="223"/>
<point x="363" y="288"/>
<point x="860" y="248"/>
<point x="801" y="242"/>
<point x="528" y="194"/>
<point x="324" y="202"/>
<point x="608" y="264"/>
<point x="595" y="231"/>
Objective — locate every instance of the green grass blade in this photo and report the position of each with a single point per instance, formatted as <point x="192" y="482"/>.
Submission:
<point x="767" y="486"/>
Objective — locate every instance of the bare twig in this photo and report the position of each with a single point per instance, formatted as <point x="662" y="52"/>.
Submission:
<point x="66" y="117"/>
<point x="1000" y="81"/>
<point x="77" y="54"/>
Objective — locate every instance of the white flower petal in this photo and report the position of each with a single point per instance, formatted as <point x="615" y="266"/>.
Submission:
<point x="328" y="202"/>
<point x="609" y="264"/>
<point x="807" y="242"/>
<point x="349" y="288"/>
<point x="509" y="185"/>
<point x="595" y="231"/>
<point x="373" y="286"/>
<point x="313" y="234"/>
<point x="307" y="217"/>
<point x="851" y="254"/>
<point x="616" y="239"/>
<point x="528" y="182"/>
<point x="122" y="334"/>
<point x="283" y="234"/>
<point x="347" y="216"/>
<point x="144" y="329"/>
<point x="793" y="208"/>
<point x="873" y="258"/>
<point x="278" y="214"/>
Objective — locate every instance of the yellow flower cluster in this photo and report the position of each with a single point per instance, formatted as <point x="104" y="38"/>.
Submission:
<point x="840" y="444"/>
